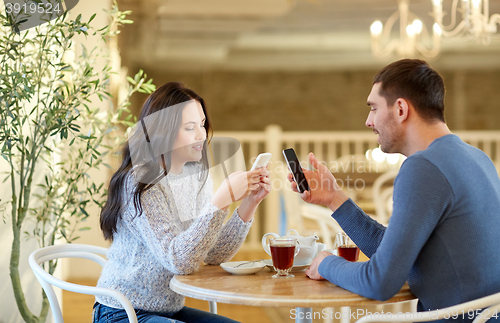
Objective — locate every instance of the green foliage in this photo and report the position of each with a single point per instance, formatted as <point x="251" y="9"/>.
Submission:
<point x="50" y="125"/>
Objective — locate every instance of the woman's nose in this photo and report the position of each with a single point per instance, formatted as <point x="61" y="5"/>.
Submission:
<point x="201" y="133"/>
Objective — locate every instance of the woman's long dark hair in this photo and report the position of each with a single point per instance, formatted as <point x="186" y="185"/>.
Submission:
<point x="167" y="95"/>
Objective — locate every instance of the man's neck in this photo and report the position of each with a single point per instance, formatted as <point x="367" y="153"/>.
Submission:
<point x="422" y="134"/>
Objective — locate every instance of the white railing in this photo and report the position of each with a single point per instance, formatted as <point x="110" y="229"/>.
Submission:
<point x="327" y="146"/>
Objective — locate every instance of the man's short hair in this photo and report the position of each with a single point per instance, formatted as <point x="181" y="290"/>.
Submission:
<point x="415" y="81"/>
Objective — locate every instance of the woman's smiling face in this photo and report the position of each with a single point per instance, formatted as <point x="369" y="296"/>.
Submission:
<point x="188" y="145"/>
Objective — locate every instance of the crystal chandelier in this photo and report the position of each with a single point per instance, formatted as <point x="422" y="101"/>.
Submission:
<point x="414" y="39"/>
<point x="476" y="24"/>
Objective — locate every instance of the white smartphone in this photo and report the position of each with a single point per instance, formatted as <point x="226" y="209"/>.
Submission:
<point x="262" y="160"/>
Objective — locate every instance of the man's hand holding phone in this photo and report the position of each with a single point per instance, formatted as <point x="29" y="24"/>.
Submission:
<point x="323" y="187"/>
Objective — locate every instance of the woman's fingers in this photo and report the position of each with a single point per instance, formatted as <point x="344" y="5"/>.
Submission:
<point x="258" y="173"/>
<point x="257" y="176"/>
<point x="254" y="187"/>
<point x="244" y="183"/>
<point x="266" y="180"/>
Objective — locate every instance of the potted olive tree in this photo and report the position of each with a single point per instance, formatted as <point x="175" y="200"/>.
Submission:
<point x="50" y="125"/>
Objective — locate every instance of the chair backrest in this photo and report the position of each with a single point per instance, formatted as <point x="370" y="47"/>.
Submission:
<point x="326" y="224"/>
<point x="40" y="256"/>
<point x="382" y="196"/>
<point x="490" y="305"/>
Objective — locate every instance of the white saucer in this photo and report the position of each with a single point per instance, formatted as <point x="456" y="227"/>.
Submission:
<point x="295" y="269"/>
<point x="246" y="269"/>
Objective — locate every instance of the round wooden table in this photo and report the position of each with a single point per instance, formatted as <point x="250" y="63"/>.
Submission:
<point x="212" y="283"/>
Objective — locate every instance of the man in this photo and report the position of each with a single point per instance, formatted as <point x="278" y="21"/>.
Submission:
<point x="443" y="233"/>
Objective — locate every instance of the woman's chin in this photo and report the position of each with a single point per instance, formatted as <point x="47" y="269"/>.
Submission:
<point x="197" y="157"/>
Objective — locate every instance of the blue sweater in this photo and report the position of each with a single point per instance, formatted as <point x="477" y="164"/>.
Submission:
<point x="442" y="236"/>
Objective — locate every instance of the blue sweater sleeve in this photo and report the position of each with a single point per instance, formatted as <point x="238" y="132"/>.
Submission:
<point x="360" y="227"/>
<point x="422" y="195"/>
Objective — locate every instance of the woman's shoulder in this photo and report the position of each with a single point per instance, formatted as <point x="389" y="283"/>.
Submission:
<point x="132" y="182"/>
<point x="154" y="194"/>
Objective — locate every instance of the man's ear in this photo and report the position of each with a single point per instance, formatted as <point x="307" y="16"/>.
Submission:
<point x="402" y="109"/>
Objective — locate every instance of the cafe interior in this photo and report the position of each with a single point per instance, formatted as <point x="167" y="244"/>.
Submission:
<point x="279" y="74"/>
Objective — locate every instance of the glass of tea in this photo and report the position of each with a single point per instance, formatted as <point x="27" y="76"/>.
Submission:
<point x="283" y="250"/>
<point x="346" y="248"/>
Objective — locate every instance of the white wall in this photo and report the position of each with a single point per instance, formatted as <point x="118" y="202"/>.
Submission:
<point x="33" y="291"/>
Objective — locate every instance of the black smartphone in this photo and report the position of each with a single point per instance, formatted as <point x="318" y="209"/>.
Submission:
<point x="296" y="170"/>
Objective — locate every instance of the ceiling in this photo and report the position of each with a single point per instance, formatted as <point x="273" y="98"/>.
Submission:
<point x="277" y="34"/>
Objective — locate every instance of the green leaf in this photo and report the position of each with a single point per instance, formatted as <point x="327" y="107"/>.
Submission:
<point x="68" y="68"/>
<point x="131" y="80"/>
<point x="83" y="211"/>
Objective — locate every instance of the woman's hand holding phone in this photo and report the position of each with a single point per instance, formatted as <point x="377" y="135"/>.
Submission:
<point x="241" y="184"/>
<point x="247" y="208"/>
<point x="256" y="196"/>
<point x="323" y="187"/>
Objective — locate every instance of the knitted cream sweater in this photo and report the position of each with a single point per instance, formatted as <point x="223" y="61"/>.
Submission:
<point x="177" y="230"/>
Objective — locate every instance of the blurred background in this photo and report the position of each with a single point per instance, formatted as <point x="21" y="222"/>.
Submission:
<point x="303" y="65"/>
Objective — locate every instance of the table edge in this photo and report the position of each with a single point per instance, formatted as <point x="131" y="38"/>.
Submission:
<point x="228" y="298"/>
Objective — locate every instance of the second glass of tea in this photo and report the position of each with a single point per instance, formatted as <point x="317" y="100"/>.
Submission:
<point x="346" y="248"/>
<point x="283" y="250"/>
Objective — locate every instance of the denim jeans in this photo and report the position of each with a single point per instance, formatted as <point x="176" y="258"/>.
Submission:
<point x="106" y="314"/>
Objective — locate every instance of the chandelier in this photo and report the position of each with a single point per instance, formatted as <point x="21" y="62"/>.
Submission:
<point x="414" y="38"/>
<point x="476" y="24"/>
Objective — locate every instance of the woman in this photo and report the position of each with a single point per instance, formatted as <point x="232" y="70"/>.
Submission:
<point x="161" y="214"/>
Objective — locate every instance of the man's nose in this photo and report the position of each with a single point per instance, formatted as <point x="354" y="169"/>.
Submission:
<point x="369" y="121"/>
